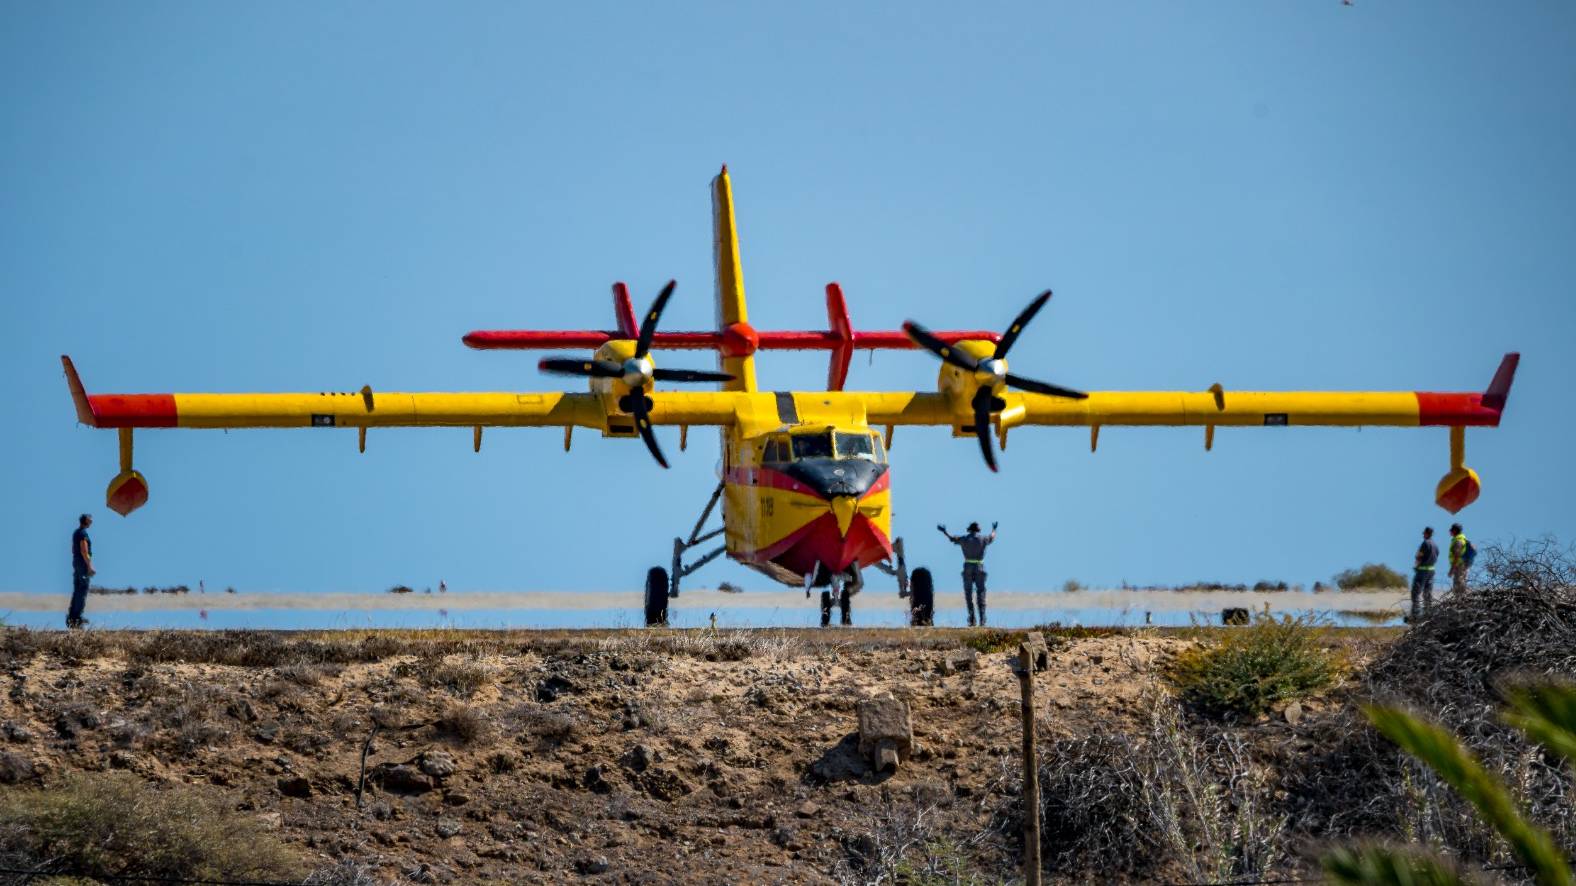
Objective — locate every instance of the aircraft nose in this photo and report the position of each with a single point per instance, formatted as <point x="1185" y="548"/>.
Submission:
<point x="843" y="508"/>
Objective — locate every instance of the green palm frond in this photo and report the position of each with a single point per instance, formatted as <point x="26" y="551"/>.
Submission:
<point x="1387" y="866"/>
<point x="1440" y="750"/>
<point x="1547" y="714"/>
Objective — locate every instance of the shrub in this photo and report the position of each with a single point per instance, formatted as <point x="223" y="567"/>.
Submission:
<point x="1071" y="586"/>
<point x="993" y="640"/>
<point x="463" y="722"/>
<point x="113" y="826"/>
<point x="1164" y="799"/>
<point x="462" y="678"/>
<point x="1255" y="668"/>
<point x="1371" y="575"/>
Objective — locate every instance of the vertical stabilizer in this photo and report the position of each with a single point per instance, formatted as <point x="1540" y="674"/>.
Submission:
<point x="731" y="311"/>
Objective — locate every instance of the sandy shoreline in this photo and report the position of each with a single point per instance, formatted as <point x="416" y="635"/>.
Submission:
<point x="878" y="599"/>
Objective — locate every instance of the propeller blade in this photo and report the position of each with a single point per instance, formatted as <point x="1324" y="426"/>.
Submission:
<point x="648" y="327"/>
<point x="982" y="404"/>
<point x="589" y="368"/>
<point x="922" y="337"/>
<point x="689" y="375"/>
<point x="643" y="424"/>
<point x="1040" y="387"/>
<point x="1005" y="345"/>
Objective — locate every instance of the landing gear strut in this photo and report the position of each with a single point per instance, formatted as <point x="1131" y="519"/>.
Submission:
<point x="663" y="584"/>
<point x="682" y="546"/>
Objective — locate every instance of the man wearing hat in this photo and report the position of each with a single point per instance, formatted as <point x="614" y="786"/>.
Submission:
<point x="973" y="545"/>
<point x="81" y="571"/>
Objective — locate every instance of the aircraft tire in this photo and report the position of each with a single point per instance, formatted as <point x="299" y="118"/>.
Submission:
<point x="656" y="597"/>
<point x="922" y="598"/>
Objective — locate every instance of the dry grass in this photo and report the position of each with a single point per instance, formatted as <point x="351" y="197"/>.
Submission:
<point x="114" y="826"/>
<point x="1167" y="801"/>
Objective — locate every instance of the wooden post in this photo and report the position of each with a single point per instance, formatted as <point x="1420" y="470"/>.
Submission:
<point x="1031" y="772"/>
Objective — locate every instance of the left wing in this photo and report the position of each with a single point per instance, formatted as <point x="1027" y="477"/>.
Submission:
<point x="365" y="409"/>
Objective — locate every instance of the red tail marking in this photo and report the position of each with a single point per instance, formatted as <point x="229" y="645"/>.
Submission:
<point x="624" y="312"/>
<point x="838" y="322"/>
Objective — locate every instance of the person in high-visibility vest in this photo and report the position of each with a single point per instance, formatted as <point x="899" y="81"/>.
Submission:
<point x="1460" y="559"/>
<point x="1423" y="573"/>
<point x="973" y="545"/>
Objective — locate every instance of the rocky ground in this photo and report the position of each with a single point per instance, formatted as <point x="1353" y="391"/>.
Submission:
<point x="634" y="757"/>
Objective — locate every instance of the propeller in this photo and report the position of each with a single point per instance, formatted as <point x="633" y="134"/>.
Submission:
<point x="992" y="372"/>
<point x="637" y="373"/>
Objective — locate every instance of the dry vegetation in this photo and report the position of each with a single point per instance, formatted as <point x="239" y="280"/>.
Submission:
<point x="699" y="756"/>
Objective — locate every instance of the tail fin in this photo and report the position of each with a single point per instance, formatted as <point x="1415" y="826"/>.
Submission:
<point x="731" y="310"/>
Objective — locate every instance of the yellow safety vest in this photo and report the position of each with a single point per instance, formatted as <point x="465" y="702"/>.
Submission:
<point x="1458" y="549"/>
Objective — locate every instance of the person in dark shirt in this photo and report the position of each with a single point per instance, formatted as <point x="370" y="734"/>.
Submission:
<point x="1423" y="573"/>
<point x="973" y="545"/>
<point x="81" y="571"/>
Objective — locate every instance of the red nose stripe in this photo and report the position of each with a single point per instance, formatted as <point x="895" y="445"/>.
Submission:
<point x="819" y="542"/>
<point x="133" y="410"/>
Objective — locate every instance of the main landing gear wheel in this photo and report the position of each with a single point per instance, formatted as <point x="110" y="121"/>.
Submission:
<point x="656" y="597"/>
<point x="922" y="599"/>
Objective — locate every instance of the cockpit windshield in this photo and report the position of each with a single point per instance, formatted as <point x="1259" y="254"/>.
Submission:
<point x="812" y="446"/>
<point x="858" y="446"/>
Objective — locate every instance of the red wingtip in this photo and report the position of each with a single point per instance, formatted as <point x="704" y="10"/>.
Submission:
<point x="1499" y="389"/>
<point x="79" y="395"/>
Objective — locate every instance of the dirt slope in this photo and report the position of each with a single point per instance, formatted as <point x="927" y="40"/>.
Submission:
<point x="566" y="756"/>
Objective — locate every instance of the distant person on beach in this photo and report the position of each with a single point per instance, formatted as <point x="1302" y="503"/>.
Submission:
<point x="1423" y="572"/>
<point x="81" y="571"/>
<point x="973" y="545"/>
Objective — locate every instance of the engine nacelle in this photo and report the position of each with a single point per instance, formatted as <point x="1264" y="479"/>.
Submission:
<point x="959" y="386"/>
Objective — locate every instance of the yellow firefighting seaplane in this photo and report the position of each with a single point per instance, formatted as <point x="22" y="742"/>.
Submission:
<point x="805" y="487"/>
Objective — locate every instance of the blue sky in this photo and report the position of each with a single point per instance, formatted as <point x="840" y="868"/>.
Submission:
<point x="293" y="196"/>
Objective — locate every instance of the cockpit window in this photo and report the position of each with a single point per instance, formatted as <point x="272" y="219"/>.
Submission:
<point x="776" y="451"/>
<point x="858" y="446"/>
<point x="812" y="446"/>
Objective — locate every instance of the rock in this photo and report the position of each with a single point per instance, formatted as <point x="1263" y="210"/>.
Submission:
<point x="595" y="782"/>
<point x="455" y="798"/>
<point x="382" y="810"/>
<point x="15" y="769"/>
<point x="402" y="778"/>
<point x="122" y="760"/>
<point x="886" y="732"/>
<point x="640" y="758"/>
<point x="592" y="865"/>
<point x="438" y="764"/>
<point x="959" y="660"/>
<point x="241" y="709"/>
<point x="448" y="827"/>
<point x="266" y="732"/>
<point x="553" y="687"/>
<point x="17" y="733"/>
<point x="664" y="784"/>
<point x="295" y="786"/>
<point x="807" y="809"/>
<point x="1293" y="713"/>
<point x="1041" y="652"/>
